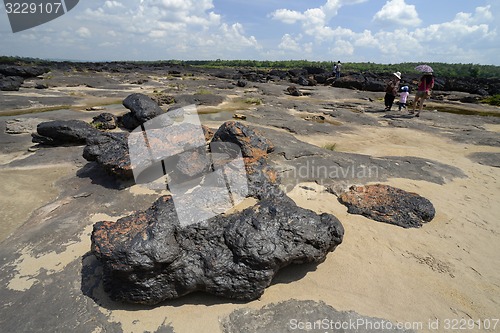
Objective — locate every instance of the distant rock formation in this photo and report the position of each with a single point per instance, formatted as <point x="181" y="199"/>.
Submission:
<point x="388" y="204"/>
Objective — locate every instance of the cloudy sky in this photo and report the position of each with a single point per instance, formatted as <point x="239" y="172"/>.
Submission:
<point x="382" y="31"/>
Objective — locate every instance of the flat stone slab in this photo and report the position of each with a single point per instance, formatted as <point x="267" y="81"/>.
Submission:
<point x="388" y="204"/>
<point x="307" y="316"/>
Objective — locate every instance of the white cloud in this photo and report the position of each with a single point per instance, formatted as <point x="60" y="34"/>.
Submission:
<point x="84" y="32"/>
<point x="398" y="12"/>
<point x="287" y="16"/>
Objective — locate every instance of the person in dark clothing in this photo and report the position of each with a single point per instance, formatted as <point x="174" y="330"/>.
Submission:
<point x="391" y="90"/>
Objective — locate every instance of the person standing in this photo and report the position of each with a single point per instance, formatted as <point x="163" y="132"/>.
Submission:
<point x="336" y="68"/>
<point x="403" y="97"/>
<point x="391" y="90"/>
<point x="425" y="86"/>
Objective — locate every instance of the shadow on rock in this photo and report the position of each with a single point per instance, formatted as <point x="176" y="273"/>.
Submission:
<point x="93" y="171"/>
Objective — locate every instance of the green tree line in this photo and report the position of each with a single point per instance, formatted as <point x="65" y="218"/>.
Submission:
<point x="440" y="69"/>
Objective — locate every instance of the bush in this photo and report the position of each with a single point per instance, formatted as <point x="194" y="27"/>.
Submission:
<point x="492" y="100"/>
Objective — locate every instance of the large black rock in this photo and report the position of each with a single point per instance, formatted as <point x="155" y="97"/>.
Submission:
<point x="110" y="151"/>
<point x="149" y="257"/>
<point x="60" y="132"/>
<point x="142" y="108"/>
<point x="10" y="83"/>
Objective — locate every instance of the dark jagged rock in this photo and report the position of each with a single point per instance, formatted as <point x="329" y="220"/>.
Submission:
<point x="10" y="83"/>
<point x="241" y="83"/>
<point x="252" y="143"/>
<point x="142" y="108"/>
<point x="22" y="71"/>
<point x="105" y="121"/>
<point x="110" y="151"/>
<point x="294" y="91"/>
<point x="148" y="257"/>
<point x="388" y="204"/>
<point x="60" y="132"/>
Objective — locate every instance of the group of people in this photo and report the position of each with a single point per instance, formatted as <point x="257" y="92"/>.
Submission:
<point x="425" y="85"/>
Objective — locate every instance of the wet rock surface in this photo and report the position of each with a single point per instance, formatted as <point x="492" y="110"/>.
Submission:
<point x="388" y="204"/>
<point x="148" y="257"/>
<point x="299" y="315"/>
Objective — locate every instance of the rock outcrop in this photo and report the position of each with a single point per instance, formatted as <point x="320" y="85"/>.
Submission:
<point x="61" y="132"/>
<point x="388" y="204"/>
<point x="148" y="257"/>
<point x="252" y="143"/>
<point x="104" y="121"/>
<point x="142" y="108"/>
<point x="110" y="151"/>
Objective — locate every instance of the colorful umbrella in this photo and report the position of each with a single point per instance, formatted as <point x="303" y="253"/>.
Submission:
<point x="424" y="68"/>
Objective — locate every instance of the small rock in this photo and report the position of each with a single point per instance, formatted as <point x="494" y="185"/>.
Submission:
<point x="388" y="204"/>
<point x="105" y="121"/>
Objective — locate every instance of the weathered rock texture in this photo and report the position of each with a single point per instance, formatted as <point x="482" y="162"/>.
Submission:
<point x="110" y="151"/>
<point x="148" y="257"/>
<point x="388" y="204"/>
<point x="105" y="121"/>
<point x="61" y="132"/>
<point x="142" y="108"/>
<point x="252" y="143"/>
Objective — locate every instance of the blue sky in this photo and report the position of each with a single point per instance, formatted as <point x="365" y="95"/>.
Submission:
<point x="382" y="31"/>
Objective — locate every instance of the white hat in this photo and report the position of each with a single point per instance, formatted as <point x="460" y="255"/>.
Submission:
<point x="397" y="74"/>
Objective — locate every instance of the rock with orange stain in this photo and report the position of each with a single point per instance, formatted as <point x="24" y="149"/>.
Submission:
<point x="148" y="257"/>
<point x="388" y="204"/>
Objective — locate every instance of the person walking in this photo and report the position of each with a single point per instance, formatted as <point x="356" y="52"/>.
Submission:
<point x="391" y="90"/>
<point x="425" y="86"/>
<point x="403" y="97"/>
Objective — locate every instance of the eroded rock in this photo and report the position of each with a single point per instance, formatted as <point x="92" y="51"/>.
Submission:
<point x="142" y="108"/>
<point x="252" y="143"/>
<point x="388" y="204"/>
<point x="60" y="132"/>
<point x="148" y="257"/>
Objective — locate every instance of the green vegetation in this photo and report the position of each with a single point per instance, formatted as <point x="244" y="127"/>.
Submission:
<point x="253" y="101"/>
<point x="330" y="146"/>
<point x="203" y="92"/>
<point x="492" y="100"/>
<point x="441" y="69"/>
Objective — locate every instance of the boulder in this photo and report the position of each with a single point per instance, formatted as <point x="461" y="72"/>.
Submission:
<point x="104" y="121"/>
<point x="294" y="91"/>
<point x="142" y="108"/>
<point x="388" y="204"/>
<point x="110" y="151"/>
<point x="22" y="71"/>
<point x="148" y="257"/>
<point x="252" y="143"/>
<point x="10" y="83"/>
<point x="60" y="132"/>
